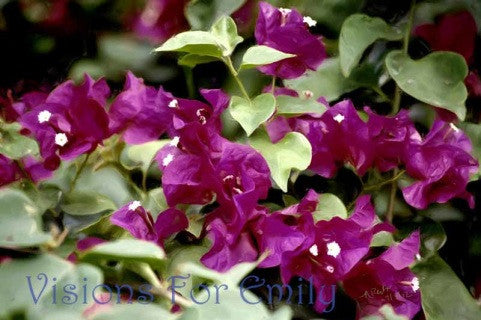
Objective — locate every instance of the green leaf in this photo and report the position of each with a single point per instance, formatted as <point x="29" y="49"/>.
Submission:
<point x="358" y="32"/>
<point x="291" y="152"/>
<point x="262" y="55"/>
<point x="20" y="221"/>
<point x="328" y="207"/>
<point x="14" y="145"/>
<point x="225" y="30"/>
<point x="382" y="239"/>
<point x="196" y="42"/>
<point x="329" y="82"/>
<point x="220" y="41"/>
<point x="86" y="203"/>
<point x="141" y="155"/>
<point x="15" y="291"/>
<point x="155" y="202"/>
<point x="125" y="250"/>
<point x="135" y="311"/>
<point x="433" y="236"/>
<point x="191" y="60"/>
<point x="293" y="106"/>
<point x="474" y="133"/>
<point x="251" y="114"/>
<point x="387" y="313"/>
<point x="202" y="14"/>
<point x="436" y="79"/>
<point x="443" y="295"/>
<point x="108" y="182"/>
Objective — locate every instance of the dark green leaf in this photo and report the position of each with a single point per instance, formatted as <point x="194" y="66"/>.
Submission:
<point x="293" y="106"/>
<point x="202" y="14"/>
<point x="358" y="32"/>
<point x="436" y="79"/>
<point x="86" y="203"/>
<point x="20" y="221"/>
<point x="443" y="295"/>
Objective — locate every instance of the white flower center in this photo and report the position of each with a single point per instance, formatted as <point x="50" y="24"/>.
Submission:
<point x="134" y="205"/>
<point x="330" y="269"/>
<point x="333" y="249"/>
<point x="314" y="251"/>
<point x="168" y="159"/>
<point x="309" y="21"/>
<point x="174" y="142"/>
<point x="285" y="11"/>
<point x="44" y="116"/>
<point x="61" y="139"/>
<point x="453" y="126"/>
<point x="339" y="118"/>
<point x="174" y="103"/>
<point x="415" y="284"/>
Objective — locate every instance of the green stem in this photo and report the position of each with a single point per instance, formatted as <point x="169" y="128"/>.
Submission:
<point x="407" y="35"/>
<point x="148" y="274"/>
<point x="392" y="198"/>
<point x="235" y="74"/>
<point x="189" y="80"/>
<point x="383" y="183"/>
<point x="79" y="171"/>
<point x="273" y="85"/>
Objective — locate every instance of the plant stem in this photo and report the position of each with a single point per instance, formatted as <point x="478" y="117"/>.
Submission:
<point x="392" y="198"/>
<point x="407" y="35"/>
<point x="148" y="274"/>
<point x="189" y="80"/>
<point x="379" y="185"/>
<point x="79" y="171"/>
<point x="273" y="85"/>
<point x="235" y="74"/>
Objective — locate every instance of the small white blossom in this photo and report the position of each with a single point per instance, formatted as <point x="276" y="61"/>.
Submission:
<point x="44" y="116"/>
<point x="285" y="11"/>
<point x="168" y="159"/>
<point x="175" y="141"/>
<point x="314" y="251"/>
<point x="333" y="249"/>
<point x="415" y="284"/>
<point x="330" y="269"/>
<point x="309" y="21"/>
<point x="174" y="103"/>
<point x="134" y="205"/>
<point x="453" y="126"/>
<point x="61" y="139"/>
<point x="339" y="118"/>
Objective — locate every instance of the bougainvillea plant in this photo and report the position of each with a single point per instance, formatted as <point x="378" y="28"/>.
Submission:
<point x="304" y="171"/>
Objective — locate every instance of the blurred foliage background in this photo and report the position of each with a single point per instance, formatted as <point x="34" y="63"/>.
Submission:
<point x="42" y="43"/>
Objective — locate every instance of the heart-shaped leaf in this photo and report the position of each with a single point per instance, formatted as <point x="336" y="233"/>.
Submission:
<point x="251" y="114"/>
<point x="262" y="55"/>
<point x="191" y="60"/>
<point x="436" y="79"/>
<point x="141" y="155"/>
<point x="292" y="152"/>
<point x="358" y="32"/>
<point x="20" y="221"/>
<point x="220" y="41"/>
<point x="225" y="30"/>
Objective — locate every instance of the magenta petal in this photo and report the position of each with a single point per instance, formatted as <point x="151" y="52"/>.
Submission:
<point x="133" y="218"/>
<point x="402" y="255"/>
<point x="169" y="222"/>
